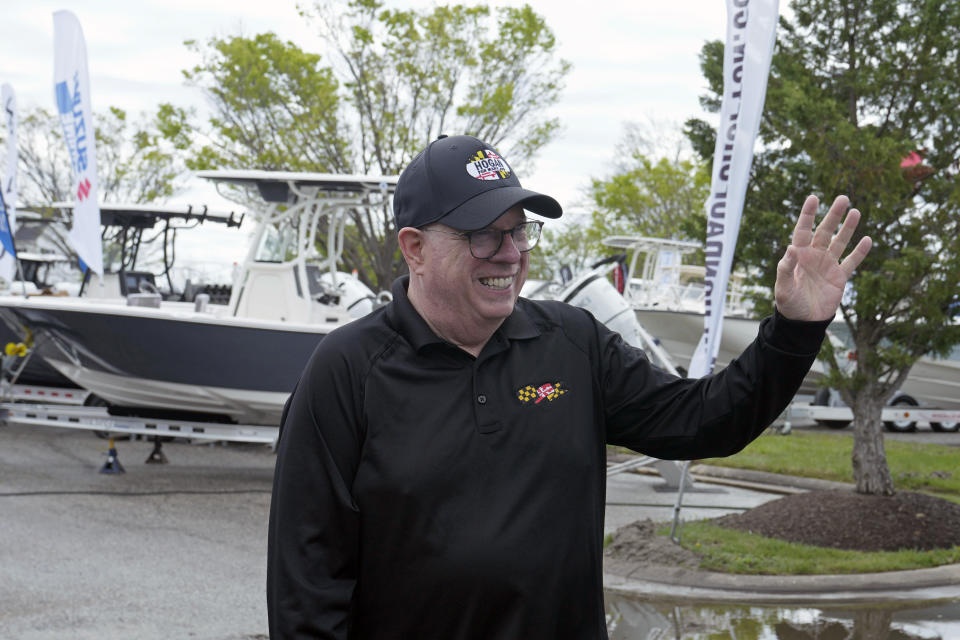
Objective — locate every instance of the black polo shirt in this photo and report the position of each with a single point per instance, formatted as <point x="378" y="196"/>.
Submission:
<point x="424" y="493"/>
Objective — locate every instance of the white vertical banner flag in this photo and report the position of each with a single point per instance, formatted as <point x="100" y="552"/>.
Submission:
<point x="751" y="34"/>
<point x="8" y="219"/>
<point x="72" y="92"/>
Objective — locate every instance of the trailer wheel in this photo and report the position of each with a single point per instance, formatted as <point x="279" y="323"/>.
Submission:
<point x="902" y="426"/>
<point x="822" y="399"/>
<point x="97" y="401"/>
<point x="945" y="427"/>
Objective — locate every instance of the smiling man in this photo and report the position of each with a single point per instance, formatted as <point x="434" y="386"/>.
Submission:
<point x="465" y="296"/>
<point x="441" y="465"/>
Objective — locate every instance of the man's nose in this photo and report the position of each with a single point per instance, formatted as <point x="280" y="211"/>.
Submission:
<point x="508" y="251"/>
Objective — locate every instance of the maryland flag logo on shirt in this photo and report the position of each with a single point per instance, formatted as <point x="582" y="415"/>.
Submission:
<point x="548" y="391"/>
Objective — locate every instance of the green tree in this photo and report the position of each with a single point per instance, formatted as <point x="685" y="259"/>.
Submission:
<point x="657" y="189"/>
<point x="136" y="163"/>
<point x="273" y="107"/>
<point x="396" y="79"/>
<point x="660" y="197"/>
<point x="566" y="243"/>
<point x="856" y="86"/>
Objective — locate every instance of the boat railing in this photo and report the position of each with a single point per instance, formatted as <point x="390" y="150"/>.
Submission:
<point x="691" y="296"/>
<point x="317" y="207"/>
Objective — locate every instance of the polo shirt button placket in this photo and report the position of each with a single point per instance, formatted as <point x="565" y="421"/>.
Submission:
<point x="486" y="421"/>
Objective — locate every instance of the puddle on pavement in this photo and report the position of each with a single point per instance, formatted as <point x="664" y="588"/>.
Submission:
<point x="635" y="619"/>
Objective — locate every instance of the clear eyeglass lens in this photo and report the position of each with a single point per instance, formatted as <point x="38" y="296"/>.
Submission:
<point x="486" y="242"/>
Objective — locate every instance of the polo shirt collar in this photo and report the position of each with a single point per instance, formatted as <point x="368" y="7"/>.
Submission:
<point x="518" y="325"/>
<point x="409" y="323"/>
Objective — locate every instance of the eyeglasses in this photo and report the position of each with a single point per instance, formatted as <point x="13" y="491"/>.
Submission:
<point x="485" y="243"/>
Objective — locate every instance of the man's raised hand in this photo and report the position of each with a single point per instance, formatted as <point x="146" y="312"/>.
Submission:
<point x="810" y="276"/>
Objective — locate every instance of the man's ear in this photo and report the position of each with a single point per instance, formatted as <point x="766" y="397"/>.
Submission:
<point x="411" y="246"/>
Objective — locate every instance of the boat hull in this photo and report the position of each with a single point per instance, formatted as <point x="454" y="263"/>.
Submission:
<point x="172" y="359"/>
<point x="679" y="333"/>
<point x="36" y="372"/>
<point x="934" y="383"/>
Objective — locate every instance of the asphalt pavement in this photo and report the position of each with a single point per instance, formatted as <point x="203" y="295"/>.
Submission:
<point x="179" y="550"/>
<point x="161" y="551"/>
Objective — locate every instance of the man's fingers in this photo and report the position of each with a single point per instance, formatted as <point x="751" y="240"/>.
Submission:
<point x="852" y="261"/>
<point x="787" y="263"/>
<point x="803" y="232"/>
<point x="842" y="239"/>
<point x="824" y="232"/>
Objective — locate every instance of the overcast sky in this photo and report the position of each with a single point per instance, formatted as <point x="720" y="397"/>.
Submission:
<point x="632" y="60"/>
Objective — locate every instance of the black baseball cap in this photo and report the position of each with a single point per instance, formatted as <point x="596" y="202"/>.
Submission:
<point x="464" y="183"/>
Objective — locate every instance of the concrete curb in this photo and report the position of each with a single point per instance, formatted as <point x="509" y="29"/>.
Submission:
<point x="764" y="480"/>
<point x="938" y="583"/>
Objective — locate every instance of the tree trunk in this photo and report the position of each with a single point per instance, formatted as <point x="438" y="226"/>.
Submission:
<point x="872" y="624"/>
<point x="870" y="470"/>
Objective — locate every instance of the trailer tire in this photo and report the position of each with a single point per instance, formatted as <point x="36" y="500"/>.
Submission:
<point x="822" y="399"/>
<point x="97" y="401"/>
<point x="945" y="427"/>
<point x="901" y="426"/>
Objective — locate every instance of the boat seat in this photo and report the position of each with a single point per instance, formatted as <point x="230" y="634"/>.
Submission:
<point x="190" y="291"/>
<point x="219" y="293"/>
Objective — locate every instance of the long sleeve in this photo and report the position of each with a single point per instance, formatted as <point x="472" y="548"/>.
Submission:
<point x="677" y="418"/>
<point x="312" y="559"/>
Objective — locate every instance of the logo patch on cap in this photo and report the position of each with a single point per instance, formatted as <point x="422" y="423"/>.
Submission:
<point x="485" y="164"/>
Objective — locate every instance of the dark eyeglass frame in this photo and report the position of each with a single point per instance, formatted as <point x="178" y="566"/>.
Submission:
<point x="468" y="236"/>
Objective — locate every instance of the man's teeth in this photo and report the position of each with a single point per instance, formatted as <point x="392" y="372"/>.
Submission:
<point x="497" y="283"/>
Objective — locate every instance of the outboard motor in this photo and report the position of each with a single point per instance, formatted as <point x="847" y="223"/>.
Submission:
<point x="357" y="298"/>
<point x="593" y="292"/>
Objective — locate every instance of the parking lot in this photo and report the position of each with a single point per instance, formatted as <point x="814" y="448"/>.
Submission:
<point x="179" y="550"/>
<point x="162" y="551"/>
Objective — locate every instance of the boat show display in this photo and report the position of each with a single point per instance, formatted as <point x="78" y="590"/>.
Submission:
<point x="668" y="297"/>
<point x="180" y="355"/>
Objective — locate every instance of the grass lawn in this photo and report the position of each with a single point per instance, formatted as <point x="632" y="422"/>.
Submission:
<point x="730" y="551"/>
<point x="929" y="468"/>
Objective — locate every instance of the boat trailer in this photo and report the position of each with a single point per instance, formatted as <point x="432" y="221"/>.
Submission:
<point x="100" y="421"/>
<point x="72" y="408"/>
<point x="902" y="414"/>
<point x="52" y="395"/>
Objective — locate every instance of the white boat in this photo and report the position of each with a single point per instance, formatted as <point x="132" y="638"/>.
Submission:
<point x="593" y="291"/>
<point x="668" y="299"/>
<point x="234" y="362"/>
<point x="933" y="382"/>
<point x="936" y="381"/>
<point x="41" y="269"/>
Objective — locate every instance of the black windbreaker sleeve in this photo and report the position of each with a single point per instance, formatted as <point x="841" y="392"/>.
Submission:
<point x="653" y="412"/>
<point x="312" y="556"/>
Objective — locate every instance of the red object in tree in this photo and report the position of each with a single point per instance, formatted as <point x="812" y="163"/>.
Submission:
<point x="913" y="167"/>
<point x="913" y="159"/>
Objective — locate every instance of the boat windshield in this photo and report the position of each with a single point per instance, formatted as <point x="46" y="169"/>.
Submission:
<point x="279" y="242"/>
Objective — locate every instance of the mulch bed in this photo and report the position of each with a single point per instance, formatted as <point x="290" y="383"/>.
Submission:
<point x="848" y="520"/>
